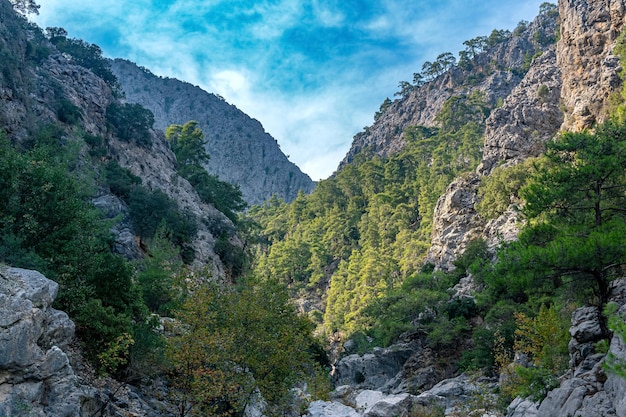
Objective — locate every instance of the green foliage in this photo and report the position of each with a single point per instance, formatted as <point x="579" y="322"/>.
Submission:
<point x="383" y="108"/>
<point x="131" y="122"/>
<point x="617" y="325"/>
<point x="157" y="273"/>
<point x="368" y="228"/>
<point x="233" y="257"/>
<point x="544" y="339"/>
<point x="120" y="180"/>
<point x="67" y="112"/>
<point x="501" y="189"/>
<point x="47" y="223"/>
<point x="226" y="354"/>
<point x="188" y="144"/>
<point x="151" y="209"/>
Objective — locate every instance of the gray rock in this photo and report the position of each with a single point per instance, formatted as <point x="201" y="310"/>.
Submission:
<point x="331" y="409"/>
<point x="372" y="370"/>
<point x="241" y="151"/>
<point x="522" y="408"/>
<point x="586" y="325"/>
<point x="589" y="30"/>
<point x="35" y="374"/>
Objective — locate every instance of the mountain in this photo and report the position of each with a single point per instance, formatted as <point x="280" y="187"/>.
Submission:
<point x="242" y="153"/>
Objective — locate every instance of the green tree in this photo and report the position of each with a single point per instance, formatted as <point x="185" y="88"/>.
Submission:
<point x="575" y="205"/>
<point x="47" y="224"/>
<point x="188" y="144"/>
<point x="131" y="122"/>
<point x="226" y="354"/>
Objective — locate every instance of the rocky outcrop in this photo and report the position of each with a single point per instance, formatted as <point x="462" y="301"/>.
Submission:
<point x="529" y="117"/>
<point x="242" y="153"/>
<point x="373" y="370"/>
<point x="36" y="378"/>
<point x="42" y="373"/>
<point x="455" y="222"/>
<point x="589" y="390"/>
<point x="589" y="32"/>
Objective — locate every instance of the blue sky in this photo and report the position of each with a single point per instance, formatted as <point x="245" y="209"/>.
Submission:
<point x="312" y="72"/>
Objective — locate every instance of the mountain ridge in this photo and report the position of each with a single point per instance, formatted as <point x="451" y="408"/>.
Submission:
<point x="241" y="151"/>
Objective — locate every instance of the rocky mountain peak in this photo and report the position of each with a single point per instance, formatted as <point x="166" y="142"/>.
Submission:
<point x="242" y="153"/>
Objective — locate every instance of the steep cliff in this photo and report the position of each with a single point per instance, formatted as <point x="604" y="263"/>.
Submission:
<point x="589" y="32"/>
<point x="566" y="88"/>
<point x="494" y="72"/>
<point x="242" y="153"/>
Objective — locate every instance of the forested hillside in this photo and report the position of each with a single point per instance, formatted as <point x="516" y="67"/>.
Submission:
<point x="357" y="253"/>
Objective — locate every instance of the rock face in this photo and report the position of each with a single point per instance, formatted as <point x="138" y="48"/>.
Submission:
<point x="40" y="368"/>
<point x="528" y="118"/>
<point x="36" y="377"/>
<point x="241" y="151"/>
<point x="566" y="88"/>
<point x="589" y="31"/>
<point x="373" y="370"/>
<point x="455" y="222"/>
<point x="421" y="105"/>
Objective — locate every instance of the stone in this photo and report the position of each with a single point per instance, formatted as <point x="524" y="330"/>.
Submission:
<point x="586" y="324"/>
<point x="331" y="409"/>
<point x="35" y="371"/>
<point x="372" y="370"/>
<point x="522" y="408"/>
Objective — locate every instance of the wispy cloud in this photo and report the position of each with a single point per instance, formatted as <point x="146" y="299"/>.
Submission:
<point x="313" y="72"/>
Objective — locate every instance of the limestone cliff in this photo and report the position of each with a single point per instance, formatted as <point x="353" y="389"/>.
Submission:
<point x="242" y="153"/>
<point x="494" y="72"/>
<point x="589" y="32"/>
<point x="566" y="88"/>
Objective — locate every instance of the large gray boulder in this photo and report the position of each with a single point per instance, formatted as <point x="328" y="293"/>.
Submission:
<point x="36" y="378"/>
<point x="373" y="370"/>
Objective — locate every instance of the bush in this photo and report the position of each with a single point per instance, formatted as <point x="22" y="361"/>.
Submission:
<point x="67" y="112"/>
<point x="498" y="191"/>
<point x="120" y="180"/>
<point x="131" y="122"/>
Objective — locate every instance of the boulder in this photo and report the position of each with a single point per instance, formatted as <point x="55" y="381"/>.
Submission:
<point x="372" y="370"/>
<point x="36" y="376"/>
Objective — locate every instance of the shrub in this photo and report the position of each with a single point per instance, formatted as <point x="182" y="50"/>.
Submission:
<point x="131" y="122"/>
